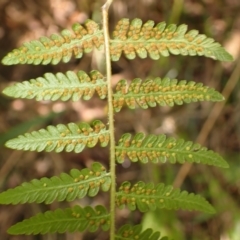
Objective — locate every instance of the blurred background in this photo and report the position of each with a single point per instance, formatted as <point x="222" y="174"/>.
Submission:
<point x="214" y="125"/>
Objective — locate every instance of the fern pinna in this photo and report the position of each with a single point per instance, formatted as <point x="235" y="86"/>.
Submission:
<point x="129" y="38"/>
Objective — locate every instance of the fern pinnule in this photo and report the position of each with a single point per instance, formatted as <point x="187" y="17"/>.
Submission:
<point x="70" y="137"/>
<point x="60" y="86"/>
<point x="135" y="38"/>
<point x="164" y="92"/>
<point x="159" y="148"/>
<point x="127" y="232"/>
<point x="147" y="197"/>
<point x="68" y="187"/>
<point x="70" y="219"/>
<point x="58" y="47"/>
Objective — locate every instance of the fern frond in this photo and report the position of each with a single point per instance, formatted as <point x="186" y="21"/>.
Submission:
<point x="140" y="39"/>
<point x="160" y="149"/>
<point x="147" y="197"/>
<point x="71" y="137"/>
<point x="128" y="232"/>
<point x="60" y="86"/>
<point x="67" y="220"/>
<point x="58" y="47"/>
<point x="164" y="92"/>
<point x="68" y="187"/>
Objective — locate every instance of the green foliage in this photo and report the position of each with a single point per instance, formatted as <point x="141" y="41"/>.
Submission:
<point x="25" y="126"/>
<point x="66" y="187"/>
<point x="164" y="92"/>
<point x="160" y="149"/>
<point x="70" y="219"/>
<point x="60" y="87"/>
<point x="135" y="232"/>
<point x="73" y="137"/>
<point x="58" y="47"/>
<point x="72" y="86"/>
<point x="140" y="39"/>
<point x="147" y="197"/>
<point x="131" y="39"/>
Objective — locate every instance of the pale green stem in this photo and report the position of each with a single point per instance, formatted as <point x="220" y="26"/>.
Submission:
<point x="176" y="11"/>
<point x="105" y="8"/>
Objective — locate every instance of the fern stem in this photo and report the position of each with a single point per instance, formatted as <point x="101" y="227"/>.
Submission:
<point x="176" y="11"/>
<point x="105" y="8"/>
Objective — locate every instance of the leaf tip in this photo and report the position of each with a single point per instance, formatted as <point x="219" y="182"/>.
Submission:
<point x="223" y="55"/>
<point x="8" y="60"/>
<point x="6" y="91"/>
<point x="9" y="144"/>
<point x="12" y="230"/>
<point x="224" y="164"/>
<point x="4" y="60"/>
<point x="211" y="210"/>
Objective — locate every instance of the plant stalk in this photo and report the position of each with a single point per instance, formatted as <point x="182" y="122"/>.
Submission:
<point x="176" y="11"/>
<point x="105" y="8"/>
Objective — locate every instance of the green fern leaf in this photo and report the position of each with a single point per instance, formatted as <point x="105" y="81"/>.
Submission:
<point x="70" y="219"/>
<point x="58" y="47"/>
<point x="165" y="92"/>
<point x="128" y="232"/>
<point x="72" y="137"/>
<point x="60" y="86"/>
<point x="136" y="39"/>
<point x="66" y="187"/>
<point x="147" y="197"/>
<point x="160" y="149"/>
